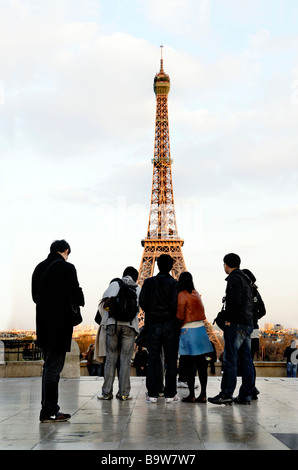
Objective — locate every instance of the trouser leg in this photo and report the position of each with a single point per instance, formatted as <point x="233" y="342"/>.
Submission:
<point x="111" y="359"/>
<point x="53" y="365"/>
<point x="127" y="344"/>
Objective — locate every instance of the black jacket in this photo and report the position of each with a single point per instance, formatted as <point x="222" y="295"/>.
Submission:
<point x="158" y="299"/>
<point x="239" y="299"/>
<point x="55" y="288"/>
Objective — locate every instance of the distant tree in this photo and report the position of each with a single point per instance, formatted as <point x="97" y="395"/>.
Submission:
<point x="272" y="348"/>
<point x="84" y="342"/>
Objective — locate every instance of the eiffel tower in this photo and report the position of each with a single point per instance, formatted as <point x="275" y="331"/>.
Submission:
<point x="162" y="235"/>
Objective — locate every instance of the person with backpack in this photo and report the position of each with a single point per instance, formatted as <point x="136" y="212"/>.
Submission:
<point x="158" y="299"/>
<point x="259" y="312"/>
<point x="238" y="326"/>
<point x="119" y="309"/>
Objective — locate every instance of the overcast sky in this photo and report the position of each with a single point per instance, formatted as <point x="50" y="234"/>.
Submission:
<point x="77" y="112"/>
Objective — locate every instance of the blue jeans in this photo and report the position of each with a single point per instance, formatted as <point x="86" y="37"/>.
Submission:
<point x="162" y="337"/>
<point x="120" y="340"/>
<point x="53" y="365"/>
<point x="291" y="369"/>
<point x="237" y="347"/>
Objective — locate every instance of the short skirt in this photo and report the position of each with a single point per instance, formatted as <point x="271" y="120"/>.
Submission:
<point x="194" y="340"/>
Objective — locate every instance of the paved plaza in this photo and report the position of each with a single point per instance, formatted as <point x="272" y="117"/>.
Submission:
<point x="269" y="423"/>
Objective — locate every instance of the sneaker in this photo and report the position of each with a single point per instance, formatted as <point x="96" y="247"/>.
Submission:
<point x="57" y="418"/>
<point x="150" y="399"/>
<point x="172" y="399"/>
<point x="221" y="399"/>
<point x="181" y="384"/>
<point x="109" y="396"/>
<point x="125" y="397"/>
<point x="241" y="401"/>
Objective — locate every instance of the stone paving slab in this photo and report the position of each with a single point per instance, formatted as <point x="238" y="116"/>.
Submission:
<point x="269" y="423"/>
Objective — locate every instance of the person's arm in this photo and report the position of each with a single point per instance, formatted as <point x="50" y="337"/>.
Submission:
<point x="181" y="307"/>
<point x="144" y="295"/>
<point x="233" y="296"/>
<point x="75" y="291"/>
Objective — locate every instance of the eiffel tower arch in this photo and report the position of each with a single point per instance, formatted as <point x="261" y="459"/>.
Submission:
<point x="162" y="234"/>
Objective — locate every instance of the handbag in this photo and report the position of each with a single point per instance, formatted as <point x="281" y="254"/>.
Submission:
<point x="76" y="316"/>
<point x="97" y="318"/>
<point x="220" y="320"/>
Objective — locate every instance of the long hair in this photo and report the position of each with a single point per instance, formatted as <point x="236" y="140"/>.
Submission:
<point x="185" y="282"/>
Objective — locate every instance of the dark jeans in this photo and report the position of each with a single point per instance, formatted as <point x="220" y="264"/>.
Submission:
<point x="162" y="336"/>
<point x="53" y="365"/>
<point x="237" y="345"/>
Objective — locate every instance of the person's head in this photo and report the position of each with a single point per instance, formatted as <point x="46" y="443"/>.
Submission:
<point x="132" y="272"/>
<point x="185" y="282"/>
<point x="250" y="275"/>
<point x="231" y="262"/>
<point x="165" y="263"/>
<point x="61" y="247"/>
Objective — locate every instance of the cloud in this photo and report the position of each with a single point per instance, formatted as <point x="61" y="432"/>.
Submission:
<point x="182" y="17"/>
<point x="77" y="135"/>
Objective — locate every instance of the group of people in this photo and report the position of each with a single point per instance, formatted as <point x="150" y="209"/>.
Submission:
<point x="174" y="327"/>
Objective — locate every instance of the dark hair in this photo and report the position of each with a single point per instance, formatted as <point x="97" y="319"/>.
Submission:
<point x="59" y="246"/>
<point x="185" y="282"/>
<point x="165" y="263"/>
<point x="132" y="272"/>
<point x="232" y="260"/>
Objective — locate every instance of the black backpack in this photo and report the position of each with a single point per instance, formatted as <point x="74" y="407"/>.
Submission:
<point x="123" y="307"/>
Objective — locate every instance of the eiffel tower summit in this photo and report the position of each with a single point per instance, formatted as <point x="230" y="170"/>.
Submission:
<point x="162" y="234"/>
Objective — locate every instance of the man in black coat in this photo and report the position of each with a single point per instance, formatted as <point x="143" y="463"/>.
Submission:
<point x="158" y="299"/>
<point x="56" y="292"/>
<point x="238" y="327"/>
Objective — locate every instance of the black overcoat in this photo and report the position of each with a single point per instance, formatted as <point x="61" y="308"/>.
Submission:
<point x="55" y="288"/>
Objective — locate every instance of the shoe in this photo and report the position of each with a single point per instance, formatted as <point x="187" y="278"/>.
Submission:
<point x="254" y="394"/>
<point x="118" y="395"/>
<point x="109" y="396"/>
<point x="201" y="400"/>
<point x="181" y="384"/>
<point x="189" y="399"/>
<point x="57" y="418"/>
<point x="125" y="397"/>
<point x="241" y="401"/>
<point x="221" y="399"/>
<point x="172" y="399"/>
<point x="151" y="399"/>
